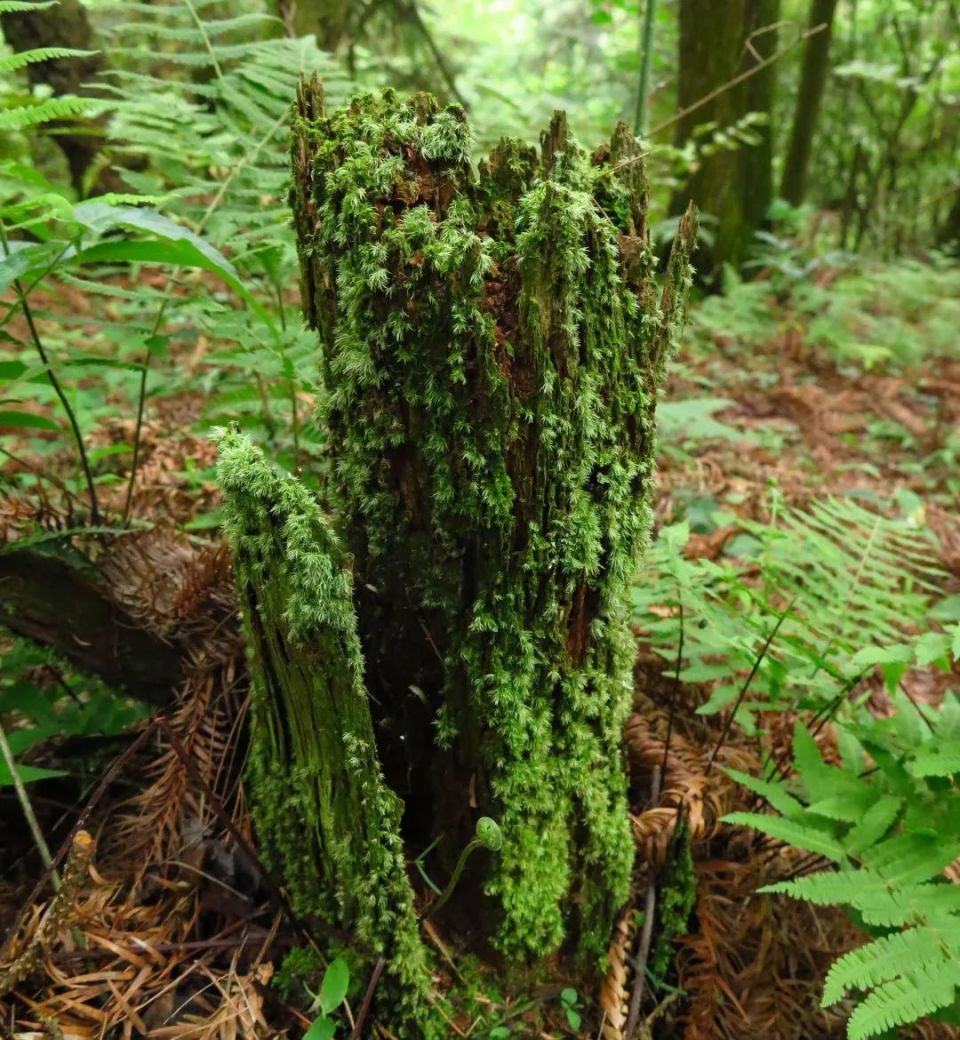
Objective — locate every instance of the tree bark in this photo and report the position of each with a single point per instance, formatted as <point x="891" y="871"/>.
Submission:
<point x="65" y="25"/>
<point x="61" y="601"/>
<point x="328" y="20"/>
<point x="323" y="814"/>
<point x="491" y="349"/>
<point x="948" y="235"/>
<point x="813" y="80"/>
<point x="718" y="42"/>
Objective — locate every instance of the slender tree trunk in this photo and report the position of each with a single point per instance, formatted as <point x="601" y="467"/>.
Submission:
<point x="732" y="182"/>
<point x="948" y="234"/>
<point x="65" y="25"/>
<point x="813" y="80"/>
<point x="328" y="20"/>
<point x="491" y="349"/>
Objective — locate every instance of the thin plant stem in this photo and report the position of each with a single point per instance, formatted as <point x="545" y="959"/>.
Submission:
<point x="646" y="62"/>
<point x="206" y="39"/>
<point x="57" y="387"/>
<point x="746" y="686"/>
<point x="24" y="799"/>
<point x="141" y="402"/>
<point x="441" y="900"/>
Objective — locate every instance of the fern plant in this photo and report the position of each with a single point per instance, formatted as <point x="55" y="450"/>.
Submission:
<point x="832" y="579"/>
<point x="200" y="136"/>
<point x="888" y="818"/>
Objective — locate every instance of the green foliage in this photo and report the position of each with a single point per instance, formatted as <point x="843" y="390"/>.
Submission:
<point x="887" y="816"/>
<point x="870" y="316"/>
<point x="849" y="578"/>
<point x="41" y="698"/>
<point x="677" y="899"/>
<point x="200" y="142"/>
<point x="333" y="991"/>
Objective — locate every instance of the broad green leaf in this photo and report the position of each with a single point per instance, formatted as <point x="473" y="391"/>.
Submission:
<point x="323" y="1028"/>
<point x="178" y="253"/>
<point x="27" y="420"/>
<point x="101" y="217"/>
<point x="333" y="989"/>
<point x="27" y="774"/>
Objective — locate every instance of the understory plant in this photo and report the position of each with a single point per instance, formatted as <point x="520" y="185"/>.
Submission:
<point x="886" y="816"/>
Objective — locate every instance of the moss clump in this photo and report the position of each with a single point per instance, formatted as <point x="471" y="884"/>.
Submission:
<point x="491" y="348"/>
<point x="678" y="897"/>
<point x="324" y="816"/>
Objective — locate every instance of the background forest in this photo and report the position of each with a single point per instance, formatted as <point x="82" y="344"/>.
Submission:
<point x="449" y="586"/>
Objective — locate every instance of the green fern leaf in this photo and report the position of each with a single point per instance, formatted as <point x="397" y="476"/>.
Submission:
<point x="803" y="836"/>
<point x="911" y="858"/>
<point x="875" y="823"/>
<point x="941" y="760"/>
<point x="919" y="992"/>
<point x="19" y="6"/>
<point x="827" y="888"/>
<point x="12" y="62"/>
<point x="883" y="960"/>
<point x="775" y="793"/>
<point x="23" y="118"/>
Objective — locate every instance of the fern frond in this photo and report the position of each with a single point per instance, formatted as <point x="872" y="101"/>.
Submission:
<point x="801" y="835"/>
<point x="828" y="887"/>
<point x="941" y="760"/>
<point x="22" y="118"/>
<point x="20" y="6"/>
<point x="876" y="821"/>
<point x="918" y="992"/>
<point x="883" y="960"/>
<point x="774" y="792"/>
<point x="911" y="858"/>
<point x="12" y="62"/>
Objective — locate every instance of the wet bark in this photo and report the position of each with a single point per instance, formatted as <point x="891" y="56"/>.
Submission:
<point x="66" y="25"/>
<point x="813" y="80"/>
<point x="717" y="43"/>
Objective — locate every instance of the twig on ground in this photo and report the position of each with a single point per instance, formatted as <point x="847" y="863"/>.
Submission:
<point x="646" y="936"/>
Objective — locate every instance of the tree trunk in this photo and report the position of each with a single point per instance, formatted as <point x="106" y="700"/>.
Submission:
<point x="323" y="814"/>
<point x="948" y="234"/>
<point x="732" y="181"/>
<point x="65" y="25"/>
<point x="813" y="79"/>
<point x="328" y="20"/>
<point x="491" y="350"/>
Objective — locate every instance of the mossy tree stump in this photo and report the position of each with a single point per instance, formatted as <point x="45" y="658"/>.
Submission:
<point x="491" y="347"/>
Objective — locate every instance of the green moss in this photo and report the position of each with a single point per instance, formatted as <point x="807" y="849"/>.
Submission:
<point x="491" y="348"/>
<point x="324" y="817"/>
<point x="677" y="898"/>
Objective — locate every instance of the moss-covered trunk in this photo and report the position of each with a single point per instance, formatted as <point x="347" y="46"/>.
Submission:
<point x="325" y="819"/>
<point x="732" y="178"/>
<point x="492" y="346"/>
<point x="813" y="80"/>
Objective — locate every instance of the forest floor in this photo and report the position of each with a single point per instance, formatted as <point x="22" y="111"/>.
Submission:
<point x="171" y="934"/>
